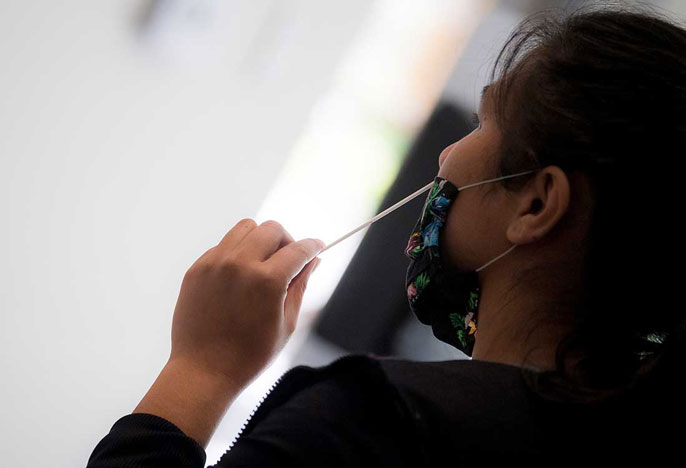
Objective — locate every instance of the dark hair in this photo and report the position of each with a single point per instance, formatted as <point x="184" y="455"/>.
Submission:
<point x="602" y="90"/>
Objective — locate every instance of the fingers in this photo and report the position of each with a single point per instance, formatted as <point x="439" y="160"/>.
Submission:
<point x="294" y="297"/>
<point x="261" y="243"/>
<point x="237" y="233"/>
<point x="272" y="244"/>
<point x="290" y="260"/>
<point x="286" y="238"/>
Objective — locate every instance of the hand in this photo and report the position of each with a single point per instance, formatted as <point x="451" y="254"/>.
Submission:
<point x="239" y="302"/>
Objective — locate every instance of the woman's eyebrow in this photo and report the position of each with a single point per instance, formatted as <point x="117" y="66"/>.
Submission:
<point x="481" y="101"/>
<point x="483" y="91"/>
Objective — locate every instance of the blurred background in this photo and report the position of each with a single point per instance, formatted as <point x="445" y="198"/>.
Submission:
<point x="136" y="133"/>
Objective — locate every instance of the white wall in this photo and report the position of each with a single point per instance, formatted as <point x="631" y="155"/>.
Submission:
<point x="122" y="159"/>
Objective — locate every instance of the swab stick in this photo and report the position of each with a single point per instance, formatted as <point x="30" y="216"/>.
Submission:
<point x="407" y="199"/>
<point x="381" y="215"/>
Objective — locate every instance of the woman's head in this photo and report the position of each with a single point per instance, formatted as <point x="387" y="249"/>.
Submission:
<point x="597" y="100"/>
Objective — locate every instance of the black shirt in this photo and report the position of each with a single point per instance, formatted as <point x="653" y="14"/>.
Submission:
<point x="368" y="410"/>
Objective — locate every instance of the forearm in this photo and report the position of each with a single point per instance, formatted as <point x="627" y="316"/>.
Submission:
<point x="190" y="398"/>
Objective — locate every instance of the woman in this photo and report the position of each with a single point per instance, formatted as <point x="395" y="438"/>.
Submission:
<point x="574" y="334"/>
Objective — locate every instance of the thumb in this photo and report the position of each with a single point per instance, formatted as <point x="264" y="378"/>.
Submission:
<point x="296" y="291"/>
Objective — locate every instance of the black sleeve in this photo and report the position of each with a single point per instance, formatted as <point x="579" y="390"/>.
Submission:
<point x="145" y="441"/>
<point x="342" y="415"/>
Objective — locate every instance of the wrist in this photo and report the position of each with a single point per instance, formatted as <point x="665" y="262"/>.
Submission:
<point x="190" y="397"/>
<point x="220" y="382"/>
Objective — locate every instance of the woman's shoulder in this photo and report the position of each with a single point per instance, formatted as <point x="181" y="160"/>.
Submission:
<point x="463" y="376"/>
<point x="466" y="403"/>
<point x="398" y="407"/>
<point x="365" y="407"/>
<point x="349" y="376"/>
<point x="345" y="413"/>
<point x="455" y="386"/>
<point x="460" y="388"/>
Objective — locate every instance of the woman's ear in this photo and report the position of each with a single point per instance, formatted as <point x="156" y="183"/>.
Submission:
<point x="541" y="205"/>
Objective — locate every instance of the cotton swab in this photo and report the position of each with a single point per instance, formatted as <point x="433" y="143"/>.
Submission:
<point x="416" y="194"/>
<point x="381" y="215"/>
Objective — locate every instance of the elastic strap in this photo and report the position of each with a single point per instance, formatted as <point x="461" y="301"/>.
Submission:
<point x="499" y="256"/>
<point x="498" y="178"/>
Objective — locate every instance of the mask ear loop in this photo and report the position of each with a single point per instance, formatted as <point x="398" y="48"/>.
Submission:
<point x="496" y="258"/>
<point x="497" y="178"/>
<point x="486" y="182"/>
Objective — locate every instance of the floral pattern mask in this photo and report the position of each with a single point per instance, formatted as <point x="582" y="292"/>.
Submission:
<point x="440" y="295"/>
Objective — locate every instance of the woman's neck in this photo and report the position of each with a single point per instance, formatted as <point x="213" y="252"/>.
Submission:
<point x="522" y="323"/>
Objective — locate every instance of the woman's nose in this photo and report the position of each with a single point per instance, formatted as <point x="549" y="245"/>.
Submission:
<point x="444" y="154"/>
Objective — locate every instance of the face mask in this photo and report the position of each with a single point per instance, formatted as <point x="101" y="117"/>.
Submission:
<point x="438" y="295"/>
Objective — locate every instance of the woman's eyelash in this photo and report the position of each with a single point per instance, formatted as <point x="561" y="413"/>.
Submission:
<point x="475" y="119"/>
